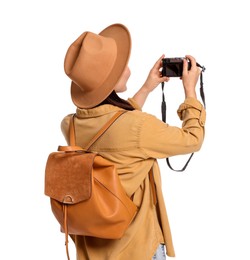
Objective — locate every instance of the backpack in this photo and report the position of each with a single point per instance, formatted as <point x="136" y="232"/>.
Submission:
<point x="86" y="195"/>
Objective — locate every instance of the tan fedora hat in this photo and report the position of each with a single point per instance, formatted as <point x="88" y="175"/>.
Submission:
<point x="95" y="63"/>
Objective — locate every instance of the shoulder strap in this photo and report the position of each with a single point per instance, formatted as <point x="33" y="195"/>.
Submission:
<point x="99" y="133"/>
<point x="163" y="113"/>
<point x="73" y="147"/>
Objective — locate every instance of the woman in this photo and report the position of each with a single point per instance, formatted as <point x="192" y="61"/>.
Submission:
<point x="97" y="64"/>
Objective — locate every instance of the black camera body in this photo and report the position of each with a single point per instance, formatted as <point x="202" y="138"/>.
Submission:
<point x="173" y="67"/>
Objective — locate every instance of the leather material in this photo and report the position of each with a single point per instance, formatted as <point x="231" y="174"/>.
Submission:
<point x="85" y="191"/>
<point x="97" y="203"/>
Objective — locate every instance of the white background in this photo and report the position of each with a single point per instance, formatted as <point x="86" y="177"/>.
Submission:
<point x="208" y="204"/>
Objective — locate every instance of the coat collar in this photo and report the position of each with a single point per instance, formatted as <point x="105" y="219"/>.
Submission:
<point x="96" y="111"/>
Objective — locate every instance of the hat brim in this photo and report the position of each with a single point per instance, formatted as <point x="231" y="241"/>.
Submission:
<point x="122" y="38"/>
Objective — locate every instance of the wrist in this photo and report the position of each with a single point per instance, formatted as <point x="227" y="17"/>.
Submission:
<point x="146" y="88"/>
<point x="190" y="94"/>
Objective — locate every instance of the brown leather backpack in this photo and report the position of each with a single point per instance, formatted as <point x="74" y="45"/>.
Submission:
<point x="86" y="195"/>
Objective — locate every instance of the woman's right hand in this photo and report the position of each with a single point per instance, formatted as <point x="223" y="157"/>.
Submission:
<point x="190" y="77"/>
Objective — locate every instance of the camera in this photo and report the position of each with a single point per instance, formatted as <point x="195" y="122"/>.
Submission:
<point x="173" y="67"/>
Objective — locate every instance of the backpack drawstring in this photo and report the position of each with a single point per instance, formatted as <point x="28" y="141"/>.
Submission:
<point x="65" y="212"/>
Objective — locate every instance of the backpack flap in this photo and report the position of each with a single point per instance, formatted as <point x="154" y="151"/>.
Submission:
<point x="72" y="174"/>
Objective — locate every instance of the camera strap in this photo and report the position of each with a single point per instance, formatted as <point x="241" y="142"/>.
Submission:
<point x="164" y="108"/>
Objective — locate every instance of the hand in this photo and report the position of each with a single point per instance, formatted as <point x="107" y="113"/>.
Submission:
<point x="190" y="77"/>
<point x="155" y="77"/>
<point x="153" y="80"/>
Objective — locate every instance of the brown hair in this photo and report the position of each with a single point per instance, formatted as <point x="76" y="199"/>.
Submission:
<point x="114" y="99"/>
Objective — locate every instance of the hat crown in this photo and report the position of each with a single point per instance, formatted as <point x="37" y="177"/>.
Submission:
<point x="94" y="60"/>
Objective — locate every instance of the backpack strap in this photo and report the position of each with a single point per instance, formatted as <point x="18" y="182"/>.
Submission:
<point x="104" y="128"/>
<point x="72" y="140"/>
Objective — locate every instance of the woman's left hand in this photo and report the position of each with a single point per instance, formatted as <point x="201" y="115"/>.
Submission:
<point x="155" y="77"/>
<point x="153" y="80"/>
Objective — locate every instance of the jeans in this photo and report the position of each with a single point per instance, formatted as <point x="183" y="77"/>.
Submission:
<point x="160" y="253"/>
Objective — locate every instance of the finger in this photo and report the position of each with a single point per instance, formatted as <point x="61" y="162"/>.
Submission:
<point x="162" y="56"/>
<point x="163" y="79"/>
<point x="192" y="60"/>
<point x="158" y="63"/>
<point x="185" y="66"/>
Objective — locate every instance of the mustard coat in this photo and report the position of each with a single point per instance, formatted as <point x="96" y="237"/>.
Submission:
<point x="134" y="143"/>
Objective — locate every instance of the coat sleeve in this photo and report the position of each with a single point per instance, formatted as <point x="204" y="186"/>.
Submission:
<point x="160" y="140"/>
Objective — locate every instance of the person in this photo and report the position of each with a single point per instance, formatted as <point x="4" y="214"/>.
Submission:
<point x="97" y="65"/>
